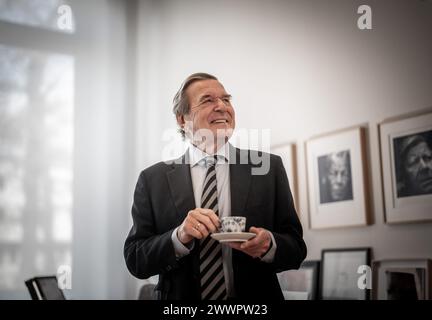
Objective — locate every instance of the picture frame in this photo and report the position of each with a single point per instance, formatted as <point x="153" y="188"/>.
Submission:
<point x="337" y="179"/>
<point x="288" y="153"/>
<point x="301" y="284"/>
<point x="406" y="167"/>
<point x="339" y="273"/>
<point x="400" y="279"/>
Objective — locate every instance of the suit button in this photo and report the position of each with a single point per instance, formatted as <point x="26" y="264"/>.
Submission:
<point x="168" y="268"/>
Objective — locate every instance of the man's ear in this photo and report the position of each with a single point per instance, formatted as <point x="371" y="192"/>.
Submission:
<point x="181" y="121"/>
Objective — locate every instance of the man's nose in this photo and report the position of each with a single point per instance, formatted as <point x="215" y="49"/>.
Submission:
<point x="425" y="163"/>
<point x="220" y="105"/>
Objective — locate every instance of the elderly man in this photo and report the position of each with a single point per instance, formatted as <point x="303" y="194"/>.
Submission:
<point x="413" y="165"/>
<point x="178" y="205"/>
<point x="335" y="173"/>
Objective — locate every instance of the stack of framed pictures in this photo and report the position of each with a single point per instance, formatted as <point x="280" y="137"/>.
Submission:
<point x="344" y="274"/>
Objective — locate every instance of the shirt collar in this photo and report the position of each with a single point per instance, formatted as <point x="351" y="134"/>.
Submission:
<point x="197" y="155"/>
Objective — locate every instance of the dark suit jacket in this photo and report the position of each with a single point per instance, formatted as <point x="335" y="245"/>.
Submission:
<point x="162" y="199"/>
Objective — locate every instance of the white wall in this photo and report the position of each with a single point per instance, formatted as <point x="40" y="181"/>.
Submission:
<point x="300" y="68"/>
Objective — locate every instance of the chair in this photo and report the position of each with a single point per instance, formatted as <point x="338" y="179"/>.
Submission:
<point x="44" y="288"/>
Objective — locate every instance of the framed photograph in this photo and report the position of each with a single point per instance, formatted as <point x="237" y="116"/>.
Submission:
<point x="406" y="163"/>
<point x="301" y="284"/>
<point x="288" y="153"/>
<point x="337" y="179"/>
<point x="405" y="279"/>
<point x="339" y="274"/>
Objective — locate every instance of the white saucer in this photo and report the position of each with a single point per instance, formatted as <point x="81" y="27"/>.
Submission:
<point x="233" y="236"/>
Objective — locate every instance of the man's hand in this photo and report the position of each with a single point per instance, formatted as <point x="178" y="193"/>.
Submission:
<point x="199" y="223"/>
<point x="257" y="246"/>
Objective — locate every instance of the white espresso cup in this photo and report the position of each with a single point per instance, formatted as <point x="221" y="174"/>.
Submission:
<point x="233" y="224"/>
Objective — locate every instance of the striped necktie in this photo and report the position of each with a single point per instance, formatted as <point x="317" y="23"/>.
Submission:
<point x="212" y="278"/>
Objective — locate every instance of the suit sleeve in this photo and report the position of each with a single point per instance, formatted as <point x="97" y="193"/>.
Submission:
<point x="146" y="252"/>
<point x="291" y="248"/>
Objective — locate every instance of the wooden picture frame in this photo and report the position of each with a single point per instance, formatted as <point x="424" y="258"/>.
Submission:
<point x="406" y="166"/>
<point x="288" y="153"/>
<point x="337" y="178"/>
<point x="339" y="273"/>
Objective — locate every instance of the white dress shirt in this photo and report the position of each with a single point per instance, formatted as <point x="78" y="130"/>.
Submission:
<point x="198" y="172"/>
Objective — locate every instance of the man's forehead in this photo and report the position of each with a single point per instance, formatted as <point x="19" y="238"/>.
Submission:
<point x="422" y="146"/>
<point x="205" y="87"/>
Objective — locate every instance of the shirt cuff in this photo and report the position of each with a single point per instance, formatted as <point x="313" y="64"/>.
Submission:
<point x="269" y="256"/>
<point x="180" y="249"/>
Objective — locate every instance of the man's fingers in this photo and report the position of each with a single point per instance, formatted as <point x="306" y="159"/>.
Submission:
<point x="215" y="219"/>
<point x="195" y="228"/>
<point x="251" y="252"/>
<point x="202" y="228"/>
<point x="256" y="241"/>
<point x="186" y="232"/>
<point x="204" y="210"/>
<point x="192" y="227"/>
<point x="255" y="230"/>
<point x="234" y="245"/>
<point x="211" y="214"/>
<point x="210" y="223"/>
<point x="195" y="233"/>
<point x="251" y="244"/>
<point x="199" y="223"/>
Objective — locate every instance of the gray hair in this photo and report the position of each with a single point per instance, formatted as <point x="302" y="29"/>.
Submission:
<point x="180" y="102"/>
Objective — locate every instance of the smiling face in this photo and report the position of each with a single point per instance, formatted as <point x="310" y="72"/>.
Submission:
<point x="211" y="115"/>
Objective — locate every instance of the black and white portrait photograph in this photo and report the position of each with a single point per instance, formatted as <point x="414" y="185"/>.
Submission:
<point x="337" y="179"/>
<point x="334" y="172"/>
<point x="413" y="164"/>
<point x="406" y="161"/>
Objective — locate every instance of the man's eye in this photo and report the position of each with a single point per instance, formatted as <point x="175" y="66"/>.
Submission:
<point x="412" y="161"/>
<point x="226" y="100"/>
<point x="208" y="100"/>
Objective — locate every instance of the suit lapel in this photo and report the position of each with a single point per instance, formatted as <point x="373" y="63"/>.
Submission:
<point x="240" y="179"/>
<point x="180" y="184"/>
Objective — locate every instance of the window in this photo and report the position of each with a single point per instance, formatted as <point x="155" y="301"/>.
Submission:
<point x="49" y="14"/>
<point x="36" y="154"/>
